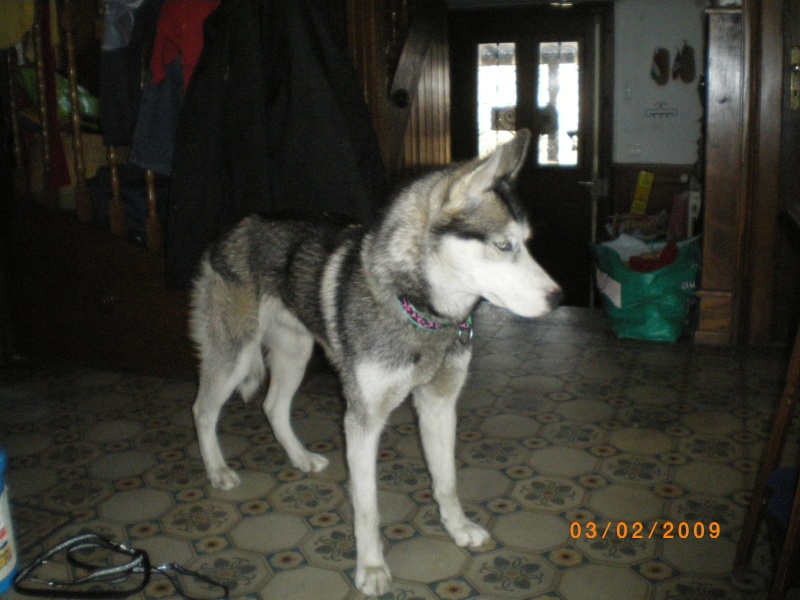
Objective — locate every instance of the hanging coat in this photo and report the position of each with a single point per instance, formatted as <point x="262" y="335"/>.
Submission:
<point x="274" y="120"/>
<point x="128" y="31"/>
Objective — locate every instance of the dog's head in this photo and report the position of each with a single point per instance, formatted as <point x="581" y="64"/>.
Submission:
<point x="480" y="237"/>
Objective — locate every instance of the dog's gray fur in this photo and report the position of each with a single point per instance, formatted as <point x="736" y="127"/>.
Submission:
<point x="446" y="242"/>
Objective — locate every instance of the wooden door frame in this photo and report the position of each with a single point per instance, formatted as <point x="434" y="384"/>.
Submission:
<point x="764" y="33"/>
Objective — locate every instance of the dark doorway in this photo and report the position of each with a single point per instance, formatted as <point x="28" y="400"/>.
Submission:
<point x="547" y="69"/>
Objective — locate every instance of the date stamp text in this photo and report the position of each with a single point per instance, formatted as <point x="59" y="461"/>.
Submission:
<point x="636" y="530"/>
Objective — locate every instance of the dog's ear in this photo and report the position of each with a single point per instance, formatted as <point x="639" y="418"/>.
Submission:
<point x="503" y="164"/>
<point x="507" y="160"/>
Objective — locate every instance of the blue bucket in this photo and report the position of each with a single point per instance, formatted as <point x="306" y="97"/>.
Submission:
<point x="8" y="551"/>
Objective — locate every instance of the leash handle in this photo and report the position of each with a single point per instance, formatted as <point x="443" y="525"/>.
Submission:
<point x="138" y="564"/>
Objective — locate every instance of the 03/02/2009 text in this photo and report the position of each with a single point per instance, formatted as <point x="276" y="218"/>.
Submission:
<point x="637" y="530"/>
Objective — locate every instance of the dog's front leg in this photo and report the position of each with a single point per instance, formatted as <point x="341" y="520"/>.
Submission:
<point x="372" y="395"/>
<point x="436" y="406"/>
<point x="363" y="435"/>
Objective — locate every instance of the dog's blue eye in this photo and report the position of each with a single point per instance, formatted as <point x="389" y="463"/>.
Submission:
<point x="504" y="246"/>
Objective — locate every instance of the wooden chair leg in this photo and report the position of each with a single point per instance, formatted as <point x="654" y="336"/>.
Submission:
<point x="781" y="572"/>
<point x="772" y="454"/>
<point x="83" y="206"/>
<point x="20" y="174"/>
<point x="116" y="208"/>
<point x="153" y="229"/>
<point x="50" y="196"/>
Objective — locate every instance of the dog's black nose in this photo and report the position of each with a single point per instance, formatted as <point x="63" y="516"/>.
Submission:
<point x="554" y="297"/>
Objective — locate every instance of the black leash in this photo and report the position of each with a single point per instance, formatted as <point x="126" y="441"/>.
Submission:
<point x="99" y="578"/>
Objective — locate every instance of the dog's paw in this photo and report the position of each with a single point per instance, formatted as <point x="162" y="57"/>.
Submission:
<point x="469" y="534"/>
<point x="374" y="580"/>
<point x="310" y="462"/>
<point x="224" y="478"/>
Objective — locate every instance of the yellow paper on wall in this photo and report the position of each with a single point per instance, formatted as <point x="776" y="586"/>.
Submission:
<point x="642" y="193"/>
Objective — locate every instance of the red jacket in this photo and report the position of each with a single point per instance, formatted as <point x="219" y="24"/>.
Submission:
<point x="180" y="33"/>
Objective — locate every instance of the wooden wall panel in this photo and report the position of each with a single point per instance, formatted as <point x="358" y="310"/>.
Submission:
<point x="416" y="136"/>
<point x="760" y="257"/>
<point x="725" y="183"/>
<point x="725" y="113"/>
<point x="427" y="140"/>
<point x="366" y="36"/>
<point x="774" y="270"/>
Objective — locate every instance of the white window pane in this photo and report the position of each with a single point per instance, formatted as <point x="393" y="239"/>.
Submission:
<point x="497" y="95"/>
<point x="559" y="103"/>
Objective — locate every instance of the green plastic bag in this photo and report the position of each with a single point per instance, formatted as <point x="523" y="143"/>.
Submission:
<point x="88" y="104"/>
<point x="646" y="306"/>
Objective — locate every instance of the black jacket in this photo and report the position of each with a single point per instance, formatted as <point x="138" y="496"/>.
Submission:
<point x="274" y="120"/>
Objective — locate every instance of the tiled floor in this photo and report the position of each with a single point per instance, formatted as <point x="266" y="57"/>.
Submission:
<point x="563" y="430"/>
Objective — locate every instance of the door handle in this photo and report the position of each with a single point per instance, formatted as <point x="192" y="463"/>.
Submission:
<point x="598" y="186"/>
<point x="794" y="79"/>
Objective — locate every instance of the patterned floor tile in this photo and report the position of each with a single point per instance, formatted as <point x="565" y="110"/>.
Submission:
<point x="634" y="469"/>
<point x="33" y="524"/>
<point x="242" y="572"/>
<point x="707" y="510"/>
<point x="531" y="531"/>
<point x="204" y="518"/>
<point x="269" y="532"/>
<point x="496" y="453"/>
<point x="306" y="496"/>
<point x="593" y="581"/>
<point x="547" y="493"/>
<point x="511" y="573"/>
<point x="620" y="546"/>
<point x="703" y="477"/>
<point x="481" y="485"/>
<point x="426" y="560"/>
<point x="310" y="583"/>
<point x="626" y="503"/>
<point x="76" y="495"/>
<point x="704" y="555"/>
<point x="333" y="547"/>
<point x="577" y="451"/>
<point x="561" y="461"/>
<point x="641" y="441"/>
<point x="176" y="475"/>
<point x="689" y="588"/>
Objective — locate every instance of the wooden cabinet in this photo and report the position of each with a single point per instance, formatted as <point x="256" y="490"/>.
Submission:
<point x="724" y="180"/>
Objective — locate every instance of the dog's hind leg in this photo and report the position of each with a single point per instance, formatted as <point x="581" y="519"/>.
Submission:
<point x="289" y="346"/>
<point x="217" y="383"/>
<point x="436" y="406"/>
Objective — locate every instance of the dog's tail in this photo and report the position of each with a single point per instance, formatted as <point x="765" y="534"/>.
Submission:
<point x="224" y="327"/>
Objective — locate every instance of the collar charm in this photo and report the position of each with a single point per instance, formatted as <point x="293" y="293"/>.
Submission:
<point x="465" y="331"/>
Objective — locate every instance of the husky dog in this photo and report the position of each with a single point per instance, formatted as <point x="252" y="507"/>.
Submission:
<point x="391" y="307"/>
